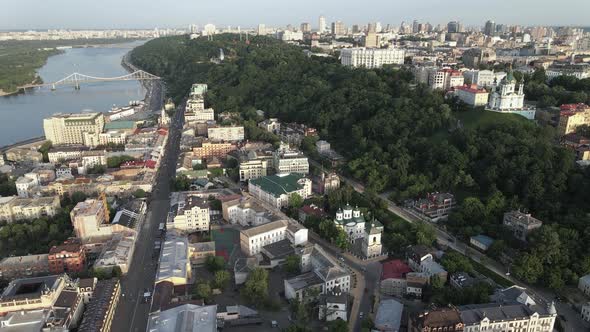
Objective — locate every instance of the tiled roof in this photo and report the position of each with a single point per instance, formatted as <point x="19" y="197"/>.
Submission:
<point x="278" y="185"/>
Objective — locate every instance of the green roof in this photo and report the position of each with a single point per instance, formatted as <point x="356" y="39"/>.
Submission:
<point x="278" y="185"/>
<point x="117" y="125"/>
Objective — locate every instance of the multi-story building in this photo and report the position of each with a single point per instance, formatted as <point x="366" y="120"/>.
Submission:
<point x="91" y="221"/>
<point x="436" y="206"/>
<point x="228" y="134"/>
<point x="192" y="215"/>
<point x="245" y="211"/>
<point x="521" y="224"/>
<point x="287" y="160"/>
<point x="579" y="71"/>
<point x="69" y="257"/>
<point x="506" y="99"/>
<point x="482" y="78"/>
<point x="211" y="149"/>
<point x="328" y="182"/>
<point x="472" y="58"/>
<point x="320" y="271"/>
<point x="571" y="116"/>
<point x="472" y="95"/>
<point x="585" y="312"/>
<point x="271" y="125"/>
<point x="371" y="57"/>
<point x="420" y="259"/>
<point x="64" y="153"/>
<point x="276" y="189"/>
<point x="305" y="27"/>
<point x="99" y="314"/>
<point x="118" y="252"/>
<point x="252" y="240"/>
<point x="16" y="208"/>
<point x="393" y="278"/>
<point x="191" y="317"/>
<point x="198" y="252"/>
<point x="507" y="317"/>
<point x="443" y="319"/>
<point x="32" y="293"/>
<point x="584" y="284"/>
<point x="333" y="305"/>
<point x="24" y="266"/>
<point x="174" y="265"/>
<point x="445" y="79"/>
<point x="94" y="158"/>
<point x="253" y="169"/>
<point x="26" y="183"/>
<point x="70" y="128"/>
<point x="338" y="28"/>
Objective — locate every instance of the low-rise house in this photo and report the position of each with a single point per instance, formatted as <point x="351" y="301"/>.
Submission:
<point x="421" y="260"/>
<point x="521" y="224"/>
<point x="271" y="125"/>
<point x="389" y="316"/>
<point x="311" y="210"/>
<point x="481" y="242"/>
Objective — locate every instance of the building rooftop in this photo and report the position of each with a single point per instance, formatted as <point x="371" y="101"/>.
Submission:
<point x="32" y="320"/>
<point x="483" y="239"/>
<point x="99" y="305"/>
<point x="119" y="125"/>
<point x="279" y="184"/>
<point x="203" y="246"/>
<point x="389" y="315"/>
<point x="173" y="258"/>
<point x="184" y="318"/>
<point x="279" y="249"/>
<point x="264" y="228"/>
<point x="471" y="314"/>
<point x="76" y="116"/>
<point x="521" y="217"/>
<point x="439" y="318"/>
<point x="24" y="260"/>
<point x="304" y="280"/>
<point x="394" y="269"/>
<point x="31" y="287"/>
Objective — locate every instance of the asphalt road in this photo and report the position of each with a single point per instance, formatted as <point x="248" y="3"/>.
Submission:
<point x="132" y="312"/>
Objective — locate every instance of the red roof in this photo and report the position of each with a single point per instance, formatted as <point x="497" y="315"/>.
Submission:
<point x="394" y="269"/>
<point x="471" y="89"/>
<point x="163" y="131"/>
<point x="574" y="107"/>
<point x="312" y="210"/>
<point x="150" y="164"/>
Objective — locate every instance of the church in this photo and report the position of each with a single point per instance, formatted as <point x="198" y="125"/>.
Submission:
<point x="353" y="222"/>
<point x="506" y="99"/>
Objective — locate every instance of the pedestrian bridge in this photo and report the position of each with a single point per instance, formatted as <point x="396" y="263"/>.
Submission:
<point x="76" y="79"/>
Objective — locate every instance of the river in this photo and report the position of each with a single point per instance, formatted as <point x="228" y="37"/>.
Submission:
<point x="21" y="116"/>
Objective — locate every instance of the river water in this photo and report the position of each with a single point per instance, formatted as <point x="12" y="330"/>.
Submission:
<point x="21" y="116"/>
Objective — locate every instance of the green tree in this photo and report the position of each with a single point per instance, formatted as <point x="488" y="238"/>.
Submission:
<point x="528" y="268"/>
<point x="338" y="325"/>
<point x="295" y="201"/>
<point x="454" y="262"/>
<point x="220" y="279"/>
<point x="255" y="289"/>
<point x="292" y="263"/>
<point x="44" y="149"/>
<point x="202" y="290"/>
<point x="139" y="193"/>
<point x="215" y="263"/>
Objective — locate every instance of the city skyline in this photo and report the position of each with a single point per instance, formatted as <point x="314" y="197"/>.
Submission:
<point x="110" y="14"/>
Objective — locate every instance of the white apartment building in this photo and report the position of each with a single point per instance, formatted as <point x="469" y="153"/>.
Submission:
<point x="371" y="57"/>
<point x="482" y="78"/>
<point x="195" y="104"/>
<point x="253" y="169"/>
<point x="253" y="239"/>
<point x="94" y="158"/>
<point x="207" y="114"/>
<point x="586" y="312"/>
<point x="472" y="96"/>
<point x="245" y="211"/>
<point x="271" y="125"/>
<point x="64" y="153"/>
<point x="276" y="189"/>
<point x="26" y="182"/>
<point x="290" y="161"/>
<point x="226" y="133"/>
<point x="192" y="215"/>
<point x="70" y="128"/>
<point x="14" y="208"/>
<point x="445" y="79"/>
<point x="508" y="317"/>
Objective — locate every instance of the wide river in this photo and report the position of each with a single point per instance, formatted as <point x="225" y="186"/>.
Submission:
<point x="21" y="116"/>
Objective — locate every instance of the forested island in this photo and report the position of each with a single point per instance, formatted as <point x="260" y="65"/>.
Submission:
<point x="403" y="138"/>
<point x="20" y="60"/>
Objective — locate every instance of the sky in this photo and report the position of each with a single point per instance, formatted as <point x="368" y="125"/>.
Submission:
<point x="104" y="14"/>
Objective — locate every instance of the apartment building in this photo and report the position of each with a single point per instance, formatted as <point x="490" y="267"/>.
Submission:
<point x="32" y="293"/>
<point x="91" y="222"/>
<point x="245" y="211"/>
<point x="507" y="317"/>
<point x="442" y="319"/>
<point x="571" y="116"/>
<point x="253" y="169"/>
<point x="472" y="95"/>
<point x="211" y="149"/>
<point x="253" y="239"/>
<point x="393" y="278"/>
<point x="287" y="160"/>
<point x="445" y="79"/>
<point x="59" y="154"/>
<point x="70" y="128"/>
<point x="521" y="224"/>
<point x="192" y="215"/>
<point x="227" y="134"/>
<point x="16" y="208"/>
<point x="69" y="257"/>
<point x="436" y="206"/>
<point x="26" y="183"/>
<point x="199" y="116"/>
<point x="271" y="125"/>
<point x="481" y="78"/>
<point x="99" y="314"/>
<point x="94" y="158"/>
<point x="371" y="57"/>
<point x="276" y="189"/>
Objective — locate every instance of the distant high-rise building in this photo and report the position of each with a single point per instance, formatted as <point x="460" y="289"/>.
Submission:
<point x="338" y="28"/>
<point x="490" y="28"/>
<point x="355" y="29"/>
<point x="322" y="25"/>
<point x="371" y="40"/>
<point x="453" y="27"/>
<point x="261" y="29"/>
<point x="415" y="27"/>
<point x="378" y="27"/>
<point x="305" y="27"/>
<point x="371" y="28"/>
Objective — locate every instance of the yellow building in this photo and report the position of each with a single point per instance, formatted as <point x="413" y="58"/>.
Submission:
<point x="71" y="128"/>
<point x="572" y="116"/>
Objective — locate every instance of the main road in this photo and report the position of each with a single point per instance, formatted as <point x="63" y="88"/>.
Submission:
<point x="132" y="312"/>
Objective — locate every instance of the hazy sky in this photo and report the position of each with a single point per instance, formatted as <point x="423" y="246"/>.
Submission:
<point x="75" y="14"/>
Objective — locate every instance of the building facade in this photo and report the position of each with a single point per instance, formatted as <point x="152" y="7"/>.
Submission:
<point x="228" y="134"/>
<point x="69" y="129"/>
<point x="371" y="57"/>
<point x="276" y="189"/>
<point x="69" y="257"/>
<point x="192" y="215"/>
<point x="571" y="116"/>
<point x="472" y="96"/>
<point x="521" y="224"/>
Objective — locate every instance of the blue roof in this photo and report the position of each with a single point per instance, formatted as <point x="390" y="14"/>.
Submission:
<point x="483" y="239"/>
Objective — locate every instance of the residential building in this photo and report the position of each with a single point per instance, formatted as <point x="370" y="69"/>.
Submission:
<point x="322" y="146"/>
<point x="199" y="116"/>
<point x="276" y="189"/>
<point x="322" y="27"/>
<point x="389" y="316"/>
<point x="14" y="208"/>
<point x="188" y="317"/>
<point x="445" y="79"/>
<point x="506" y="99"/>
<point x="89" y="218"/>
<point x="287" y="160"/>
<point x="174" y="265"/>
<point x="310" y="210"/>
<point x="69" y="257"/>
<point x="26" y="183"/>
<point x="58" y="154"/>
<point x="245" y="211"/>
<point x="293" y="133"/>
<point x="70" y="128"/>
<point x="436" y="206"/>
<point x="328" y="182"/>
<point x="471" y="95"/>
<point x="472" y="58"/>
<point x="67" y="310"/>
<point x="585" y="312"/>
<point x="86" y="287"/>
<point x="371" y="57"/>
<point x="118" y="252"/>
<point x="94" y="158"/>
<point x="579" y="71"/>
<point x="521" y="224"/>
<point x="481" y="242"/>
<point x="192" y="215"/>
<point x="227" y="134"/>
<point x="253" y="169"/>
<point x="481" y="78"/>
<point x="99" y="314"/>
<point x="393" y="278"/>
<point x="372" y="40"/>
<point x="271" y="125"/>
<point x="442" y="319"/>
<point x="32" y="293"/>
<point x="420" y="259"/>
<point x="571" y="116"/>
<point x="584" y="284"/>
<point x="333" y="305"/>
<point x="198" y="252"/>
<point x="516" y="316"/>
<point x="24" y="266"/>
<point x="319" y="271"/>
<point x="253" y="239"/>
<point x="33" y="320"/>
<point x="338" y="28"/>
<point x="211" y="149"/>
